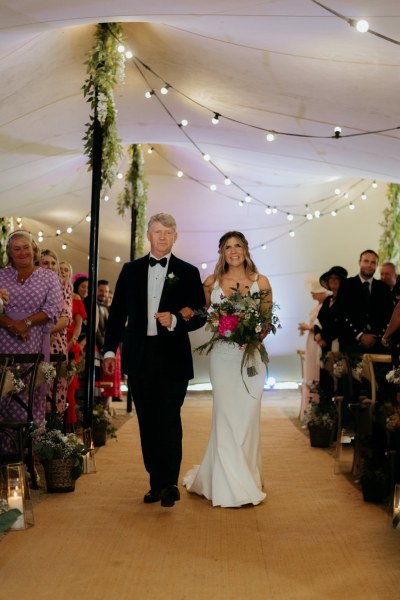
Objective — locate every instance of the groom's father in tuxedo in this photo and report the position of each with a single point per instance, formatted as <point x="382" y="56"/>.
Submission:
<point x="156" y="352"/>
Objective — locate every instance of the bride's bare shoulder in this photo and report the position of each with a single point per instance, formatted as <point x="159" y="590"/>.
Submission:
<point x="209" y="281"/>
<point x="263" y="282"/>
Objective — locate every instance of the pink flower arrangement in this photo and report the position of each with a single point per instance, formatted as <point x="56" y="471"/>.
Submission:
<point x="227" y="324"/>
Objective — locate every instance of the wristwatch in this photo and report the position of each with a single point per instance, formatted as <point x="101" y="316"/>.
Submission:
<point x="28" y="322"/>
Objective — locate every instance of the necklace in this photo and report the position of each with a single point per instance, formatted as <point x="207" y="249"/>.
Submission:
<point x="23" y="278"/>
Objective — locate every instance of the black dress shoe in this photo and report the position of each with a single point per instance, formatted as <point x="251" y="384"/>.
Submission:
<point x="170" y="495"/>
<point x="152" y="496"/>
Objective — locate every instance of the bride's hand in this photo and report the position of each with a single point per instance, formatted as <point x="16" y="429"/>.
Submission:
<point x="187" y="313"/>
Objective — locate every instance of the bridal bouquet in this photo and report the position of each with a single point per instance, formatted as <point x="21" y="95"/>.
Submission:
<point x="242" y="319"/>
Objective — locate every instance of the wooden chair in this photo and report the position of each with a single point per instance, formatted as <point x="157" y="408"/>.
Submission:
<point x="18" y="431"/>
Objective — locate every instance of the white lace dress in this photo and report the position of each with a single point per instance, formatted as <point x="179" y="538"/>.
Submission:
<point x="230" y="473"/>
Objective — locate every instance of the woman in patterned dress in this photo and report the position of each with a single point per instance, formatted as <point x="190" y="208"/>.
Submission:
<point x="34" y="305"/>
<point x="58" y="339"/>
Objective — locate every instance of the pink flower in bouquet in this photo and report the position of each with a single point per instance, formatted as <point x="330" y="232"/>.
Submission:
<point x="227" y="324"/>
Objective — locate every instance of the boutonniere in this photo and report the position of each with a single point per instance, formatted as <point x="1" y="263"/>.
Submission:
<point x="171" y="278"/>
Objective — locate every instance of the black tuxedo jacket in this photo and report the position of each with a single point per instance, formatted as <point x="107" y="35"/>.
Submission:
<point x="355" y="316"/>
<point x="127" y="321"/>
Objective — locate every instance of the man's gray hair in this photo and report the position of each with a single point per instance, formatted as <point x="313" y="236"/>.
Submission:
<point x="163" y="218"/>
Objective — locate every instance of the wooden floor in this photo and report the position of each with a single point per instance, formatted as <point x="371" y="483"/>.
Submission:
<point x="313" y="538"/>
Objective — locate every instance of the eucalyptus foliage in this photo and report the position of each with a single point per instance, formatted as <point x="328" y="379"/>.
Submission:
<point x="105" y="68"/>
<point x="134" y="196"/>
<point x="389" y="249"/>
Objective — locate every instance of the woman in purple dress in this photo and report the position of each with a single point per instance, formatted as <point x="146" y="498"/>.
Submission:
<point x="34" y="305"/>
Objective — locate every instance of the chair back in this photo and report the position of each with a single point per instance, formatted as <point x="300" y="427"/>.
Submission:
<point x="369" y="372"/>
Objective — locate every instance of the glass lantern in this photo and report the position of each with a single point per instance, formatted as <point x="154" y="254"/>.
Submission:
<point x="396" y="506"/>
<point x="89" y="460"/>
<point x="18" y="495"/>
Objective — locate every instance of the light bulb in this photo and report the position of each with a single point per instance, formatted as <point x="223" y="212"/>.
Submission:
<point x="338" y="131"/>
<point x="270" y="137"/>
<point x="309" y="216"/>
<point x="374" y="184"/>
<point x="58" y="231"/>
<point x="69" y="229"/>
<point x="264" y="246"/>
<point x="268" y="210"/>
<point x="351" y="206"/>
<point x="317" y="214"/>
<point x="291" y="233"/>
<point x="227" y="181"/>
<point x="289" y="217"/>
<point x="150" y="150"/>
<point x="215" y="119"/>
<point x="164" y="89"/>
<point x="240" y="203"/>
<point x="248" y="198"/>
<point x="149" y="93"/>
<point x="180" y="173"/>
<point x="363" y="196"/>
<point x="206" y="157"/>
<point x="184" y="122"/>
<point x="64" y="246"/>
<point x="106" y="198"/>
<point x="362" y="26"/>
<point x="337" y="191"/>
<point x="274" y="210"/>
<point x="128" y="54"/>
<point x="333" y="213"/>
<point x="204" y="265"/>
<point x="213" y="187"/>
<point x="88" y="218"/>
<point x="117" y="259"/>
<point x="120" y="176"/>
<point x="121" y="48"/>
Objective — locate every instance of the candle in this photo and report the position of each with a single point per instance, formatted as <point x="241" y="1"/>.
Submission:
<point x="16" y="501"/>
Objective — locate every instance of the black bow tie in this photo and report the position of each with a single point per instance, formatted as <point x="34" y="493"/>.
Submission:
<point x="153" y="261"/>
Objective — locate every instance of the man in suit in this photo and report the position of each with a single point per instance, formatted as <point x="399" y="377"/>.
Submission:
<point x="364" y="306"/>
<point x="156" y="351"/>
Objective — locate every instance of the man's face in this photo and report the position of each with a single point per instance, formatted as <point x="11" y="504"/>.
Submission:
<point x="161" y="239"/>
<point x="102" y="293"/>
<point x="368" y="264"/>
<point x="388" y="275"/>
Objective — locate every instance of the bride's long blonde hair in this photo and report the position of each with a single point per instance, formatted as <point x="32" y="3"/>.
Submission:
<point x="222" y="267"/>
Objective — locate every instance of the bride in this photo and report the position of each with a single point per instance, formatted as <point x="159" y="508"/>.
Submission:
<point x="230" y="473"/>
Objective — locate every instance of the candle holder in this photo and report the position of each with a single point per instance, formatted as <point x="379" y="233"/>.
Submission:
<point x="18" y="495"/>
<point x="396" y="506"/>
<point x="89" y="460"/>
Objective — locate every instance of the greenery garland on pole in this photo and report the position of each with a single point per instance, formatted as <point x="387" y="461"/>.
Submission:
<point x="105" y="68"/>
<point x="134" y="198"/>
<point x="389" y="243"/>
<point x="6" y="227"/>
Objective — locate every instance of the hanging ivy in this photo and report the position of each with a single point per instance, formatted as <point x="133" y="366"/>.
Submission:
<point x="134" y="196"/>
<point x="105" y="68"/>
<point x="389" y="242"/>
<point x="6" y="227"/>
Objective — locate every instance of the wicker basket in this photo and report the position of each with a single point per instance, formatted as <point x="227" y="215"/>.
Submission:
<point x="320" y="437"/>
<point x="58" y="474"/>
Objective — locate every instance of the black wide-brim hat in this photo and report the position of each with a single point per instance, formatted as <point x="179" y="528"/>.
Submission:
<point x="338" y="271"/>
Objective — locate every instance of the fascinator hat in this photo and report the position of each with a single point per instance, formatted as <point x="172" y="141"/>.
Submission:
<point x="313" y="285"/>
<point x="338" y="271"/>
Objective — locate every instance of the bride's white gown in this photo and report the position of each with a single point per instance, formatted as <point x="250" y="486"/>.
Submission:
<point x="230" y="473"/>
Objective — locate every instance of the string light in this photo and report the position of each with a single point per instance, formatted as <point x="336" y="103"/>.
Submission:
<point x="270" y="137"/>
<point x="215" y="119"/>
<point x="150" y="150"/>
<point x="248" y="198"/>
<point x="117" y="259"/>
<point x="337" y="191"/>
<point x="121" y="48"/>
<point x="291" y="233"/>
<point x="213" y="187"/>
<point x="64" y="246"/>
<point x="362" y="26"/>
<point x="363" y="196"/>
<point x="240" y="203"/>
<point x="206" y="157"/>
<point x="183" y="123"/>
<point x="128" y="54"/>
<point x="180" y="173"/>
<point x="106" y="198"/>
<point x="333" y="213"/>
<point x="309" y="217"/>
<point x="120" y="176"/>
<point x="164" y="89"/>
<point x="58" y="231"/>
<point x="264" y="246"/>
<point x="69" y="229"/>
<point x="274" y="210"/>
<point x="204" y="266"/>
<point x="374" y="185"/>
<point x="88" y="218"/>
<point x="289" y="217"/>
<point x="337" y="132"/>
<point x="351" y="206"/>
<point x="149" y="93"/>
<point x="227" y="181"/>
<point x="268" y="210"/>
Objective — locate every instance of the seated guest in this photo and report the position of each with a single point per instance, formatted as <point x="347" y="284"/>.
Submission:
<point x="388" y="274"/>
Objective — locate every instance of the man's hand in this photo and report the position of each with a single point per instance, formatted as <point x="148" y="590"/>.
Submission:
<point x="164" y="318"/>
<point x="187" y="313"/>
<point x="109" y="365"/>
<point x="367" y="340"/>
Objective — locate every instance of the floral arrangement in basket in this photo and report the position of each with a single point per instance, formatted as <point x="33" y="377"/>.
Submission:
<point x="14" y="380"/>
<point x="242" y="319"/>
<point x="50" y="443"/>
<point x="393" y="376"/>
<point x="102" y="417"/>
<point x="320" y="414"/>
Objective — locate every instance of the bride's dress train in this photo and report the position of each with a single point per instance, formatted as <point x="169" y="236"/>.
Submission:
<point x="230" y="473"/>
